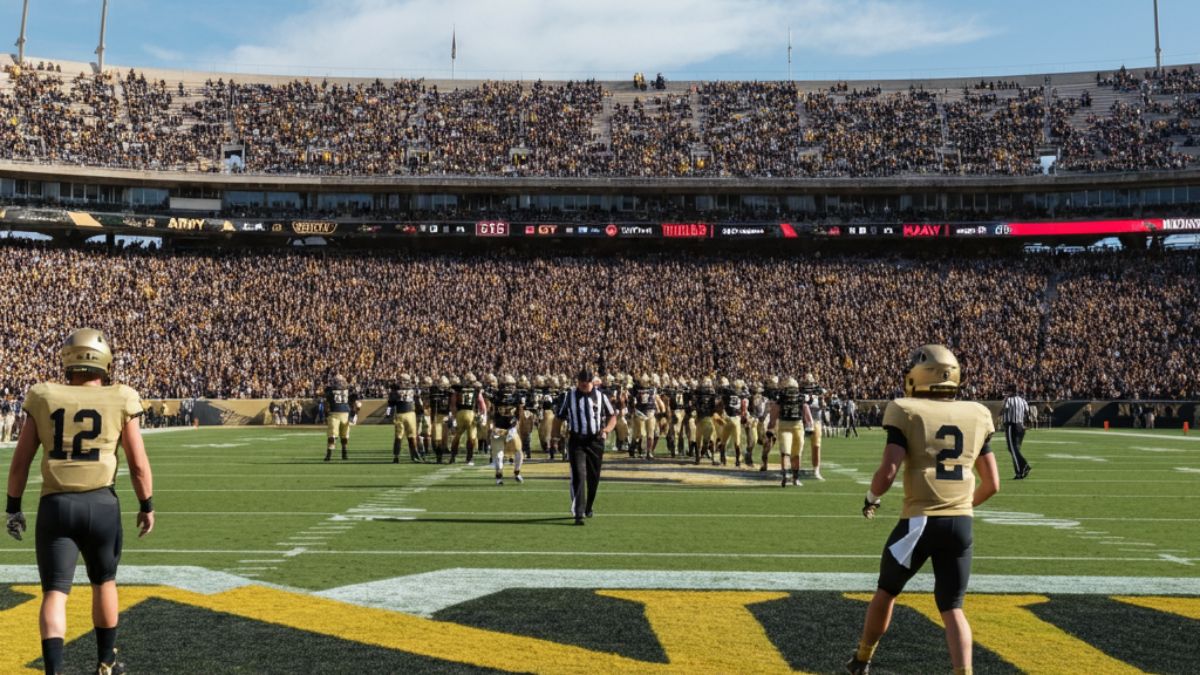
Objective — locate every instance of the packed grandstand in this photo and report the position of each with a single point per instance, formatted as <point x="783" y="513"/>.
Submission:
<point x="1120" y="121"/>
<point x="243" y="317"/>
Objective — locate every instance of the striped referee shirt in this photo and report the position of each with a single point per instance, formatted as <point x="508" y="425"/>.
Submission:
<point x="1015" y="410"/>
<point x="586" y="413"/>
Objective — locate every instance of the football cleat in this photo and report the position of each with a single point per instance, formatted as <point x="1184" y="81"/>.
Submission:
<point x="856" y="667"/>
<point x="520" y="480"/>
<point x="816" y="474"/>
<point x="796" y="482"/>
<point x="499" y="481"/>
<point x="784" y="483"/>
<point x="114" y="668"/>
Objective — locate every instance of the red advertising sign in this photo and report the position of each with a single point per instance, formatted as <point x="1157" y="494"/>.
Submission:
<point x="686" y="230"/>
<point x="1066" y="229"/>
<point x="924" y="230"/>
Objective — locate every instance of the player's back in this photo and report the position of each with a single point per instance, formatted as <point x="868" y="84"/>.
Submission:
<point x="80" y="429"/>
<point x="944" y="438"/>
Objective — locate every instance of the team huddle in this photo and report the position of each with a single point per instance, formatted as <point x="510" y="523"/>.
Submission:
<point x="698" y="420"/>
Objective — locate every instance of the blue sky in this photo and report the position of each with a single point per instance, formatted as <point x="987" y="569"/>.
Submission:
<point x="559" y="39"/>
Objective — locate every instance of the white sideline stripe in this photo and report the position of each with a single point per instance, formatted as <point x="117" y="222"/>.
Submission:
<point x="1187" y="469"/>
<point x="1129" y="434"/>
<point x="429" y="593"/>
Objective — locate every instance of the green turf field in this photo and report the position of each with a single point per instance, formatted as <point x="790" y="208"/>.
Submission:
<point x="258" y="506"/>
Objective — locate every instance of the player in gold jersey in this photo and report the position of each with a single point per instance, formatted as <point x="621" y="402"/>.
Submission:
<point x="939" y="440"/>
<point x="79" y="427"/>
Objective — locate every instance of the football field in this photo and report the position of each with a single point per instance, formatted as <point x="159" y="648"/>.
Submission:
<point x="267" y="560"/>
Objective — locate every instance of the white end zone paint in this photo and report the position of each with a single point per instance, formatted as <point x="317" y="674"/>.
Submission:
<point x="195" y="579"/>
<point x="429" y="593"/>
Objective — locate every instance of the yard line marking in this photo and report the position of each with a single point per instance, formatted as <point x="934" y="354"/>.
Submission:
<point x="709" y="492"/>
<point x="1081" y="458"/>
<point x="295" y="552"/>
<point x="1156" y="449"/>
<point x="1187" y="469"/>
<point x="784" y="516"/>
<point x="1176" y="559"/>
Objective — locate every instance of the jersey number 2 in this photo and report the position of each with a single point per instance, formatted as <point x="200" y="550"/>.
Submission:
<point x="77" y="452"/>
<point x="950" y="431"/>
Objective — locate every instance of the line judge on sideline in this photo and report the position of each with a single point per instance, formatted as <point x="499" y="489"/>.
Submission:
<point x="590" y="417"/>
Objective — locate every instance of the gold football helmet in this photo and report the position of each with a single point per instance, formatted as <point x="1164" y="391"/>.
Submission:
<point x="86" y="350"/>
<point x="932" y="370"/>
<point x="790" y="383"/>
<point x="338" y="382"/>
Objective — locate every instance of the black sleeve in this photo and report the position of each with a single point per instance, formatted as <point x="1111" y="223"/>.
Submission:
<point x="896" y="437"/>
<point x="987" y="446"/>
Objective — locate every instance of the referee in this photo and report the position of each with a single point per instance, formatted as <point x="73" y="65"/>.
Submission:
<point x="1014" y="412"/>
<point x="590" y="416"/>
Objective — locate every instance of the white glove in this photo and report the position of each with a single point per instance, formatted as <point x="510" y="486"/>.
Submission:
<point x="16" y="525"/>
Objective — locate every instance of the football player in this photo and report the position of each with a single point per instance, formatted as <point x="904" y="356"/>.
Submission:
<point x="939" y="440"/>
<point x="673" y="397"/>
<point x="817" y="409"/>
<point x="528" y="419"/>
<point x="545" y="393"/>
<point x="340" y="401"/>
<point x="707" y="404"/>
<point x="424" y="426"/>
<point x="483" y="423"/>
<point x="507" y="409"/>
<point x="404" y="405"/>
<point x="79" y="426"/>
<point x="439" y="416"/>
<point x="734" y="408"/>
<point x="756" y="411"/>
<point x="464" y="401"/>
<point x="770" y="424"/>
<point x="644" y="397"/>
<point x="792" y="411"/>
<point x="617" y="390"/>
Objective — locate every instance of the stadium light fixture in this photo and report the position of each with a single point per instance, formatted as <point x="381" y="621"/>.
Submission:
<point x="21" y="38"/>
<point x="1157" y="44"/>
<point x="100" y="48"/>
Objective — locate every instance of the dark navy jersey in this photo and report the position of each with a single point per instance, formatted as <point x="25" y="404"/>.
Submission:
<point x="643" y="399"/>
<point x="404" y="400"/>
<point x="439" y="400"/>
<point x="340" y="400"/>
<point x="706" y="402"/>
<point x="506" y="405"/>
<point x="791" y="405"/>
<point x="467" y="396"/>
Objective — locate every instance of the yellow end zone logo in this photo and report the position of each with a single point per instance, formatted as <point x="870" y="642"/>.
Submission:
<point x="700" y="631"/>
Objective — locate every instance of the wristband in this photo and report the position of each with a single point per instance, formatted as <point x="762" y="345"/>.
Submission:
<point x="14" y="504"/>
<point x="146" y="505"/>
<point x="872" y="498"/>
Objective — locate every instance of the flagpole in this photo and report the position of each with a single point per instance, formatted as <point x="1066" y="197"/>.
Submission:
<point x="453" y="48"/>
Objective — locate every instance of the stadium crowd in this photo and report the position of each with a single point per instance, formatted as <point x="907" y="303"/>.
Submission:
<point x="255" y="324"/>
<point x="578" y="129"/>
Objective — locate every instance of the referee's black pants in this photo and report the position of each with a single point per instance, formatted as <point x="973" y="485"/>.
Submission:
<point x="585" y="453"/>
<point x="1014" y="434"/>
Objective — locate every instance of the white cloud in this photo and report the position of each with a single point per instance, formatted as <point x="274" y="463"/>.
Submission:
<point x="578" y="38"/>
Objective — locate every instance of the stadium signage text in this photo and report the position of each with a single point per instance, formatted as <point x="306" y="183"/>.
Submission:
<point x="923" y="230"/>
<point x="1181" y="224"/>
<point x="686" y="230"/>
<point x="309" y="227"/>
<point x="491" y="228"/>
